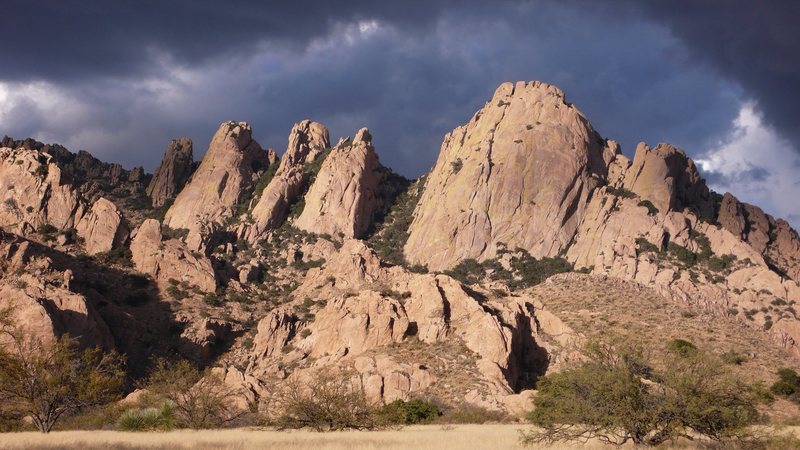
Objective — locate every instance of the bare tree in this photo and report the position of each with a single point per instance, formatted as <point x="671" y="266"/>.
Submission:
<point x="45" y="381"/>
<point x="201" y="399"/>
<point x="329" y="401"/>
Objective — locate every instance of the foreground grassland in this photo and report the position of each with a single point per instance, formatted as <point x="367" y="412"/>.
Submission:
<point x="435" y="437"/>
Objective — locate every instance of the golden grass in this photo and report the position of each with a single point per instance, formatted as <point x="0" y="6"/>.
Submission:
<point x="434" y="437"/>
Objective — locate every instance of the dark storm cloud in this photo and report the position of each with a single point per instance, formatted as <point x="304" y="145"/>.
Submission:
<point x="130" y="77"/>
<point x="756" y="44"/>
<point x="61" y="40"/>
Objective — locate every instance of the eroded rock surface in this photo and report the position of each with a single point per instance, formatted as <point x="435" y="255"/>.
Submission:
<point x="520" y="172"/>
<point x="174" y="171"/>
<point x="345" y="193"/>
<point x="225" y="176"/>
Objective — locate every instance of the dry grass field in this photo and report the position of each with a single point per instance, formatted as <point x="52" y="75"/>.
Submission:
<point x="434" y="437"/>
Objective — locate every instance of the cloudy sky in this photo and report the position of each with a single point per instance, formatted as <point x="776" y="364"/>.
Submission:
<point x="720" y="79"/>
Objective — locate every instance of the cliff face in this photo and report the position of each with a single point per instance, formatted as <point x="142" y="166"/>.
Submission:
<point x="345" y="193"/>
<point x="226" y="174"/>
<point x="174" y="171"/>
<point x="520" y="172"/>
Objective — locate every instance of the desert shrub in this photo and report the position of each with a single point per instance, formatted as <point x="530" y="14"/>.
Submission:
<point x="467" y="271"/>
<point x="457" y="165"/>
<point x="788" y="384"/>
<point x="47" y="231"/>
<point x="471" y="414"/>
<point x="651" y="208"/>
<point x="212" y="299"/>
<point x="734" y="358"/>
<point x="400" y="412"/>
<point x="121" y="256"/>
<point x="681" y="347"/>
<point x="148" y="419"/>
<point x="174" y="233"/>
<point x="177" y="293"/>
<point x="199" y="399"/>
<point x="327" y="402"/>
<point x="720" y="263"/>
<point x="645" y="246"/>
<point x="620" y="192"/>
<point x="606" y="399"/>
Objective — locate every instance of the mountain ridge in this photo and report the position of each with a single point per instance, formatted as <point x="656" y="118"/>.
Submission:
<point x="271" y="268"/>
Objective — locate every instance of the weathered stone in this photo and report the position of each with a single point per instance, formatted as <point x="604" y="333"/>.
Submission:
<point x="173" y="172"/>
<point x="345" y="194"/>
<point x="520" y="172"/>
<point x="222" y="180"/>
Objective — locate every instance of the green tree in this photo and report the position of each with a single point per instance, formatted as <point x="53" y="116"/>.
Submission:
<point x="616" y="397"/>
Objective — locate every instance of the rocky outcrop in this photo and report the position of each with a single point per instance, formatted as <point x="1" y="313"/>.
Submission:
<point x="34" y="195"/>
<point x="174" y="171"/>
<point x="773" y="238"/>
<point x="170" y="260"/>
<point x="103" y="228"/>
<point x="362" y="311"/>
<point x="345" y="193"/>
<point x="42" y="307"/>
<point x="520" y="172"/>
<point x="667" y="177"/>
<point x="307" y="141"/>
<point x="223" y="179"/>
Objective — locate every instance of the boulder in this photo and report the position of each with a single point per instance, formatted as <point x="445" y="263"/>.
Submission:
<point x="103" y="228"/>
<point x="667" y="177"/>
<point x="165" y="260"/>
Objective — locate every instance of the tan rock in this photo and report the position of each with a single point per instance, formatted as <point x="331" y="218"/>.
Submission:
<point x="103" y="228"/>
<point x="307" y="141"/>
<point x="223" y="178"/>
<point x="520" y="172"/>
<point x="165" y="260"/>
<point x="172" y="174"/>
<point x="665" y="176"/>
<point x="345" y="194"/>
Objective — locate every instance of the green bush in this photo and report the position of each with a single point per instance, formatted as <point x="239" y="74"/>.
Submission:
<point x="681" y="347"/>
<point x="401" y="412"/>
<point x="606" y="399"/>
<point x="788" y="384"/>
<point x="651" y="208"/>
<point x="620" y="192"/>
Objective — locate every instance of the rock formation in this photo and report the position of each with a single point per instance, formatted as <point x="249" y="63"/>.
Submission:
<point x="170" y="260"/>
<point x="103" y="228"/>
<point x="34" y="195"/>
<point x="307" y="141"/>
<point x="223" y="179"/>
<point x="520" y="172"/>
<point x="772" y="238"/>
<point x="173" y="172"/>
<point x="666" y="177"/>
<point x="345" y="194"/>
